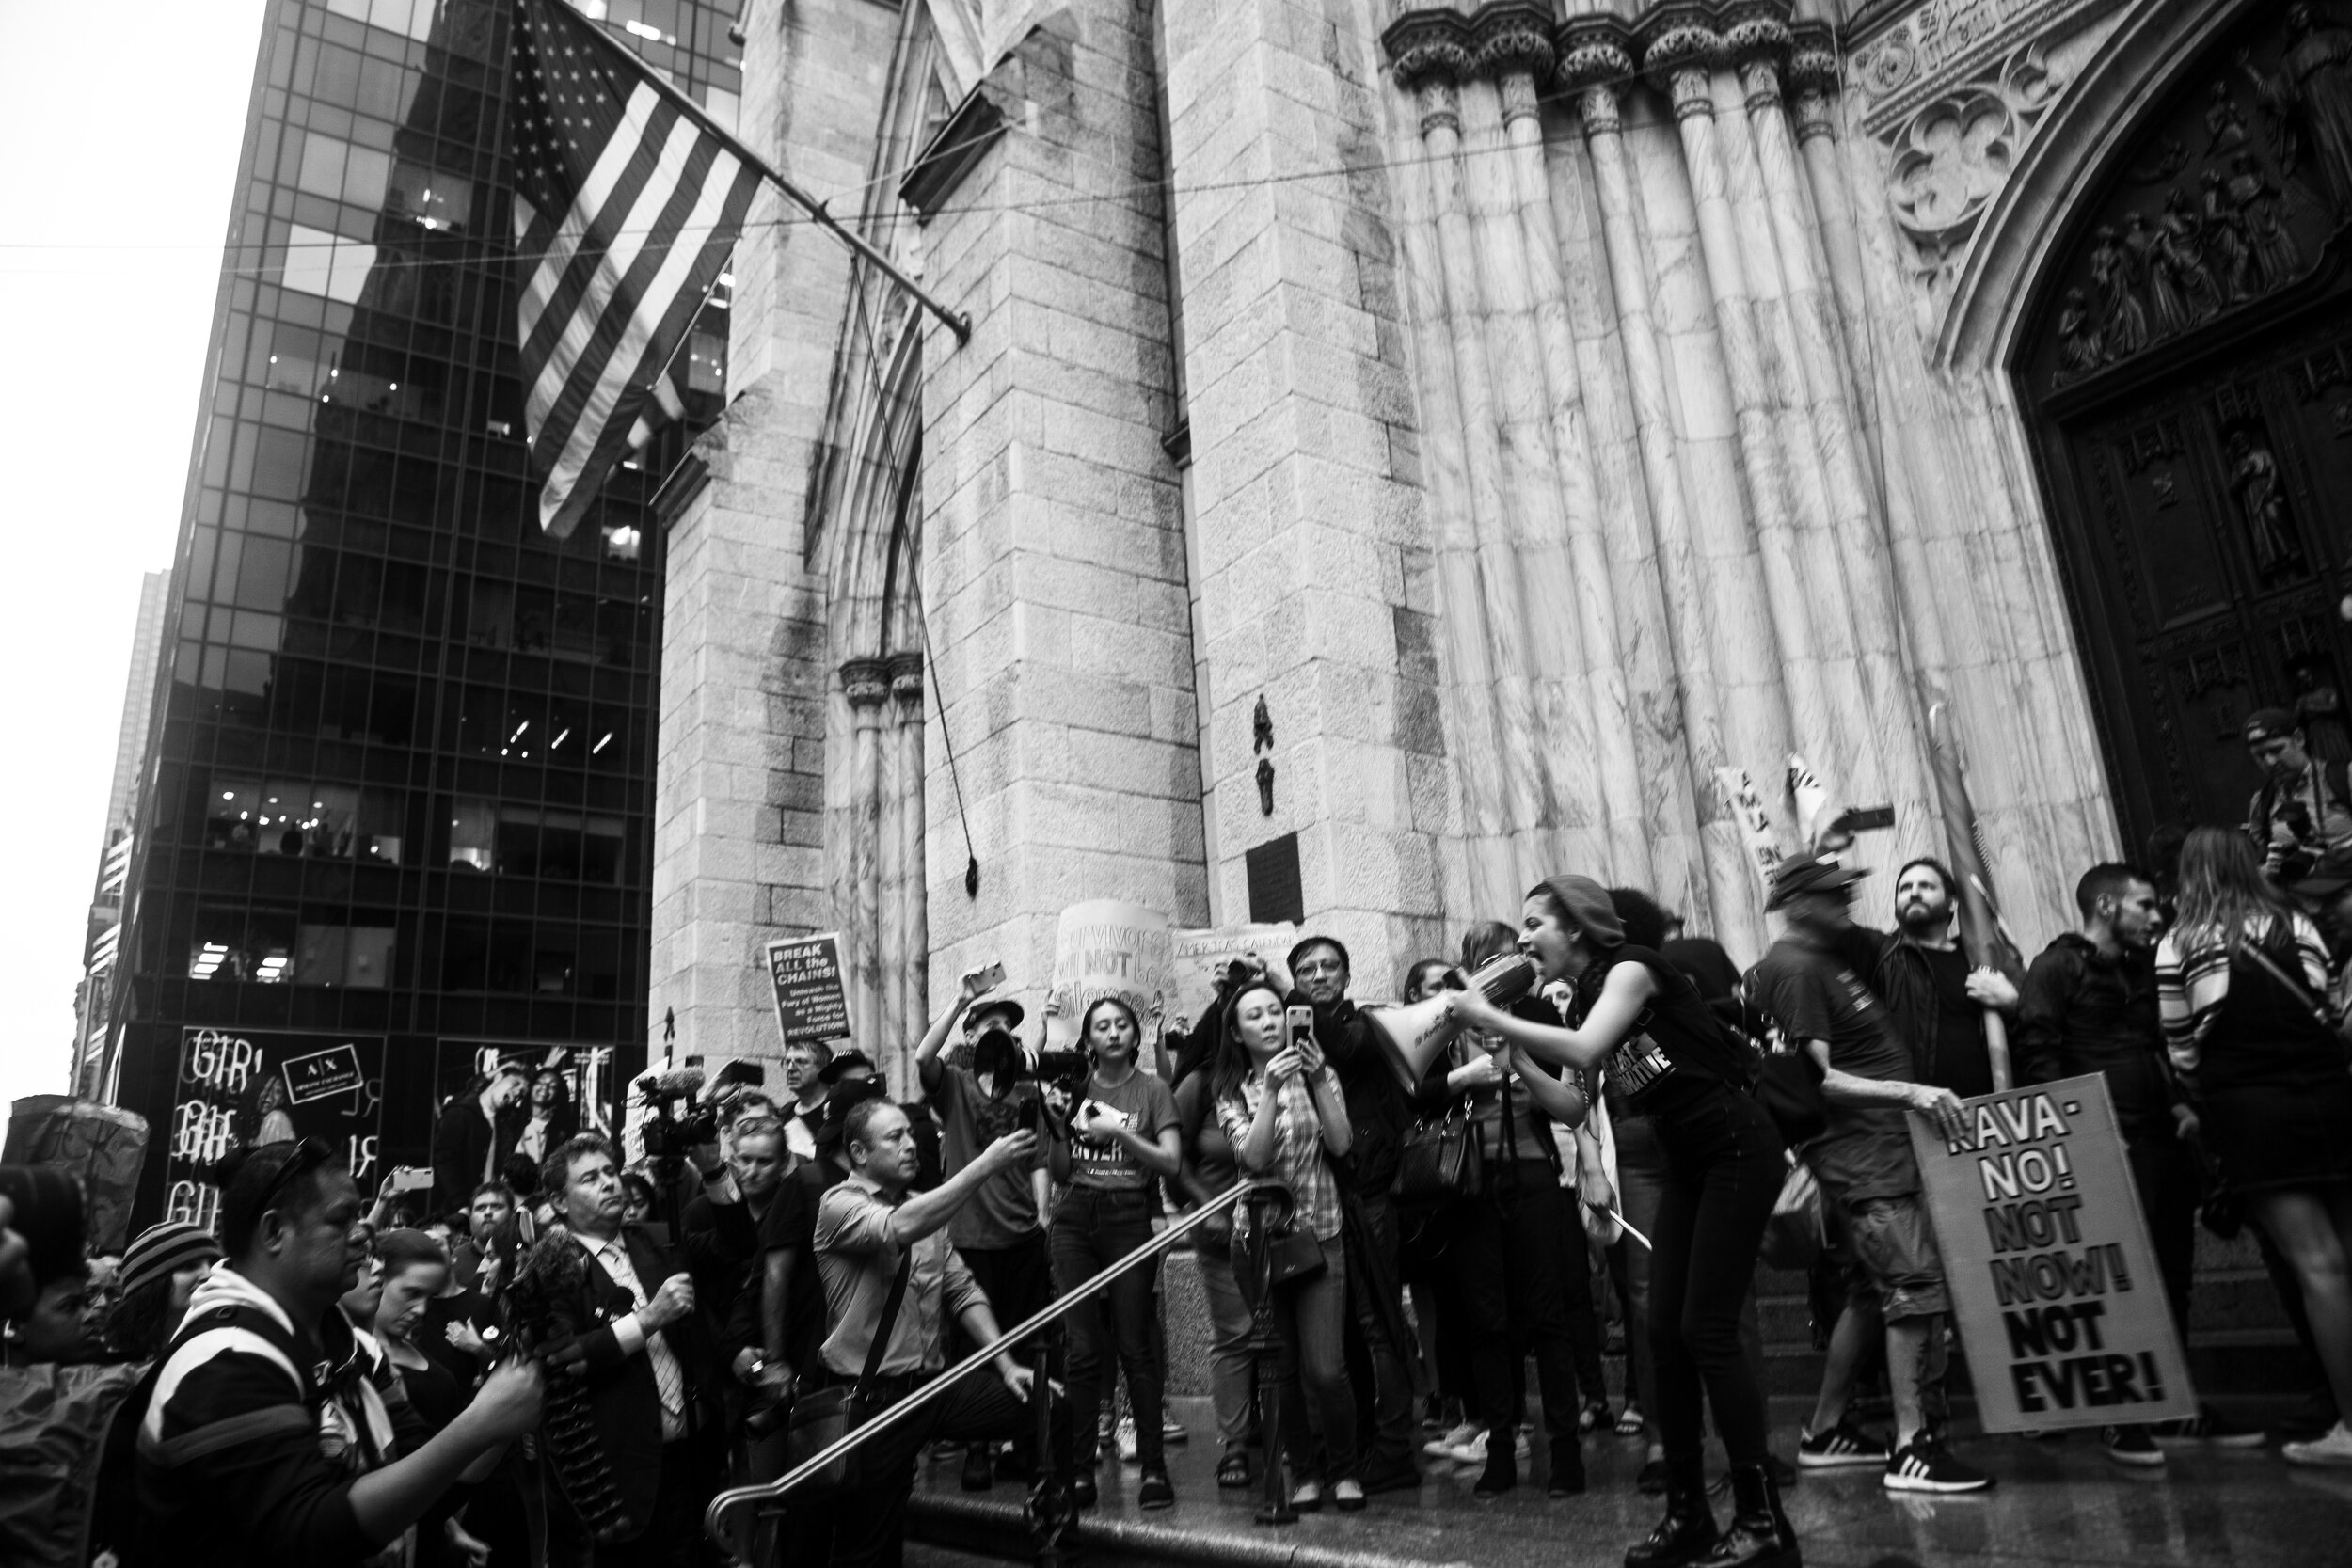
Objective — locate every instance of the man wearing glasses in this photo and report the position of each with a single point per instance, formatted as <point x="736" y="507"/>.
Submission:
<point x="263" y="1439"/>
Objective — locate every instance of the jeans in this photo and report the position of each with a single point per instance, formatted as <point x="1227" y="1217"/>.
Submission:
<point x="1508" y="1247"/>
<point x="1576" y="1293"/>
<point x="1093" y="1227"/>
<point x="1383" y="1433"/>
<point x="1311" y="1319"/>
<point x="869" y="1518"/>
<point x="1018" y="1281"/>
<point x="1231" y="1369"/>
<point x="2164" y="1169"/>
<point x="1725" y="1165"/>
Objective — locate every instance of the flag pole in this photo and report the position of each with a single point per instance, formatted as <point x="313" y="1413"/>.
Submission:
<point x="954" y="321"/>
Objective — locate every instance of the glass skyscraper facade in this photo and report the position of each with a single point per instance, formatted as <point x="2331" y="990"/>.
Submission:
<point x="396" y="809"/>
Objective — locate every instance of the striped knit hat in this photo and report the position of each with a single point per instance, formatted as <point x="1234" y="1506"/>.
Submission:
<point x="160" y="1251"/>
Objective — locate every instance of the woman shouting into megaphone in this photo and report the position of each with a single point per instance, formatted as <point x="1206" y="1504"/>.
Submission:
<point x="1633" y="1017"/>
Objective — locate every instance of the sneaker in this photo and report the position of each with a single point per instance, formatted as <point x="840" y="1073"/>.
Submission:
<point x="1443" y="1447"/>
<point x="1841" y="1445"/>
<point x="1347" y="1496"/>
<point x="1924" y="1464"/>
<point x="2132" y="1445"/>
<point x="1307" y="1497"/>
<point x="1474" y="1452"/>
<point x="2209" y="1427"/>
<point x="1127" y="1450"/>
<point x="2333" y="1449"/>
<point x="1172" y="1432"/>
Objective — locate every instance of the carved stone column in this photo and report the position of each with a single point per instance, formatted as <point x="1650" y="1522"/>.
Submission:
<point x="1878" y="708"/>
<point x="1610" y="788"/>
<point x="1473" y="712"/>
<point x="1680" y="58"/>
<point x="1487" y="597"/>
<point x="1813" y="85"/>
<point x="906" y="946"/>
<point x="1592" y="65"/>
<point x="865" y="682"/>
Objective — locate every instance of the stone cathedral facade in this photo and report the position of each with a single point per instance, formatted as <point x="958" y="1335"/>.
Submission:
<point x="1405" y="448"/>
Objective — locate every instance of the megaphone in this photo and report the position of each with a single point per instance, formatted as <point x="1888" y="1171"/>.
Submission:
<point x="1414" y="1034"/>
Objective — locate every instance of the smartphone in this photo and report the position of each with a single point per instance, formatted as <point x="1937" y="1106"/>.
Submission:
<point x="1298" y="1021"/>
<point x="409" y="1179"/>
<point x="1863" y="820"/>
<point x="993" y="977"/>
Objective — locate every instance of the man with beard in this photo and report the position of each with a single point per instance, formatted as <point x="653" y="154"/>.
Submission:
<point x="1000" y="1233"/>
<point x="2089" y="1005"/>
<point x="1936" y="1001"/>
<point x="1377" y="1111"/>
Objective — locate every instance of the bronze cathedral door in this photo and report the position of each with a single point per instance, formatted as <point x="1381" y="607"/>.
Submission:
<point x="2188" y="384"/>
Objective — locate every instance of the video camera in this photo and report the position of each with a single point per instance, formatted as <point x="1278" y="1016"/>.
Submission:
<point x="675" y="1119"/>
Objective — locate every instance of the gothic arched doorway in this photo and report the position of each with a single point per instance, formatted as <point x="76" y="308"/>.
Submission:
<point x="2188" y="379"/>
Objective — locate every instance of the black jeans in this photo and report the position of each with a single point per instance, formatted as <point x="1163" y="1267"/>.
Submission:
<point x="1509" y="1255"/>
<point x="869" y="1518"/>
<point x="1384" y="1403"/>
<point x="1017" y="1280"/>
<point x="1093" y="1227"/>
<point x="1724" y="1166"/>
<point x="2164" y="1169"/>
<point x="1576" y="1291"/>
<point x="673" y="1538"/>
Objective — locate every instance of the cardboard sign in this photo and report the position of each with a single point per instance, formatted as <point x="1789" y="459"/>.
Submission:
<point x="806" y="975"/>
<point x="2053" y="1279"/>
<point x="323" y="1074"/>
<point x="1108" y="947"/>
<point x="239" y="1088"/>
<point x="1197" y="956"/>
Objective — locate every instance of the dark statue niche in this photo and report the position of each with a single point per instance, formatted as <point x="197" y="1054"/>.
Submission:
<point x="2231" y="195"/>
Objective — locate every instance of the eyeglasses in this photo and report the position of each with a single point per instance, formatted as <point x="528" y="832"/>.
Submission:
<point x="307" y="1155"/>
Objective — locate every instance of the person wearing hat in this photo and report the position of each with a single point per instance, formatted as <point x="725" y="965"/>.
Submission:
<point x="1865" y="1164"/>
<point x="2300" y="819"/>
<point x="1635" y="1018"/>
<point x="165" y="1264"/>
<point x="1000" y="1233"/>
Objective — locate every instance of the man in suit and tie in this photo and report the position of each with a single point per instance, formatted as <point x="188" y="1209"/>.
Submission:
<point x="652" y="1376"/>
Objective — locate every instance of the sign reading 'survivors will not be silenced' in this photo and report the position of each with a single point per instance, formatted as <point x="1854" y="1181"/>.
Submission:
<point x="2054" y="1283"/>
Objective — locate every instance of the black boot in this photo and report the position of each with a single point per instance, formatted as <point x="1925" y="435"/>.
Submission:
<point x="1687" y="1531"/>
<point x="1759" y="1536"/>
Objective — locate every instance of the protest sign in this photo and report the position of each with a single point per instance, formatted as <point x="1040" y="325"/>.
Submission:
<point x="2053" y="1280"/>
<point x="1108" y="947"/>
<point x="1197" y="956"/>
<point x="242" y="1087"/>
<point x="806" y="975"/>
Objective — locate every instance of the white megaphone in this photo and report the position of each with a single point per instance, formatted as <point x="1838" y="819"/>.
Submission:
<point x="1415" y="1034"/>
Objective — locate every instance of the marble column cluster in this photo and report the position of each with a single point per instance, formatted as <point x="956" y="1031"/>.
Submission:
<point x="1662" y="533"/>
<point x="884" y="943"/>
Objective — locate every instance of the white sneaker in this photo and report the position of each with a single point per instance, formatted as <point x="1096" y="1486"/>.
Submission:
<point x="1442" y="1448"/>
<point x="2332" y="1448"/>
<point x="1127" y="1450"/>
<point x="1474" y="1452"/>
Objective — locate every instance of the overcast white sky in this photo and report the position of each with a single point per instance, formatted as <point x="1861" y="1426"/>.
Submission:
<point x="125" y="118"/>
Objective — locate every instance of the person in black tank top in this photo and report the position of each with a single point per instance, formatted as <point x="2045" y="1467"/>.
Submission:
<point x="1636" y="1018"/>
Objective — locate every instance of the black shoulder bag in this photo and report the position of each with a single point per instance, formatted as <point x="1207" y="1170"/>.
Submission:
<point x="824" y="1417"/>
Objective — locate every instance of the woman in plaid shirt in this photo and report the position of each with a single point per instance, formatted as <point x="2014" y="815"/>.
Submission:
<point x="1281" y="1107"/>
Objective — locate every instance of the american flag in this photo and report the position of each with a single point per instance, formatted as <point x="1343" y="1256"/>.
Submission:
<point x="627" y="204"/>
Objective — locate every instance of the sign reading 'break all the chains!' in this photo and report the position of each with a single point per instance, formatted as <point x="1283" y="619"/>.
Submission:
<point x="2053" y="1280"/>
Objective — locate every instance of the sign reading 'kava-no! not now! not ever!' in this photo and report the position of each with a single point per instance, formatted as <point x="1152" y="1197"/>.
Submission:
<point x="2053" y="1282"/>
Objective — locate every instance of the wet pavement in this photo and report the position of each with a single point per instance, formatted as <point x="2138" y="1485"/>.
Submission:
<point x="2055" y="1502"/>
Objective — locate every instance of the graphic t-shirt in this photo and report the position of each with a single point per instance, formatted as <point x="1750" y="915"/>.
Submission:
<point x="1005" y="1208"/>
<point x="1815" y="995"/>
<point x="1144" y="1106"/>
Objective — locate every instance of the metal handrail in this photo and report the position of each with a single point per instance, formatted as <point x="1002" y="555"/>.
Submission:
<point x="715" y="1516"/>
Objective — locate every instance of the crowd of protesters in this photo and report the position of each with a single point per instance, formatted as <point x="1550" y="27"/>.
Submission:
<point x="560" y="1355"/>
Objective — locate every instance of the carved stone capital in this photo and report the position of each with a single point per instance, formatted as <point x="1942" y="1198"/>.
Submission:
<point x="1602" y="113"/>
<point x="1520" y="99"/>
<point x="1514" y="35"/>
<point x="1593" y="50"/>
<point x="1759" y="83"/>
<point x="1813" y="62"/>
<point x="865" y="682"/>
<point x="1425" y="46"/>
<point x="1440" y="103"/>
<point x="906" y="678"/>
<point x="1755" y="33"/>
<point x="1677" y="58"/>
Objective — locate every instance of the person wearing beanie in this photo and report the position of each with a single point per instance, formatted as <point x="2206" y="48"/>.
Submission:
<point x="160" y="1273"/>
